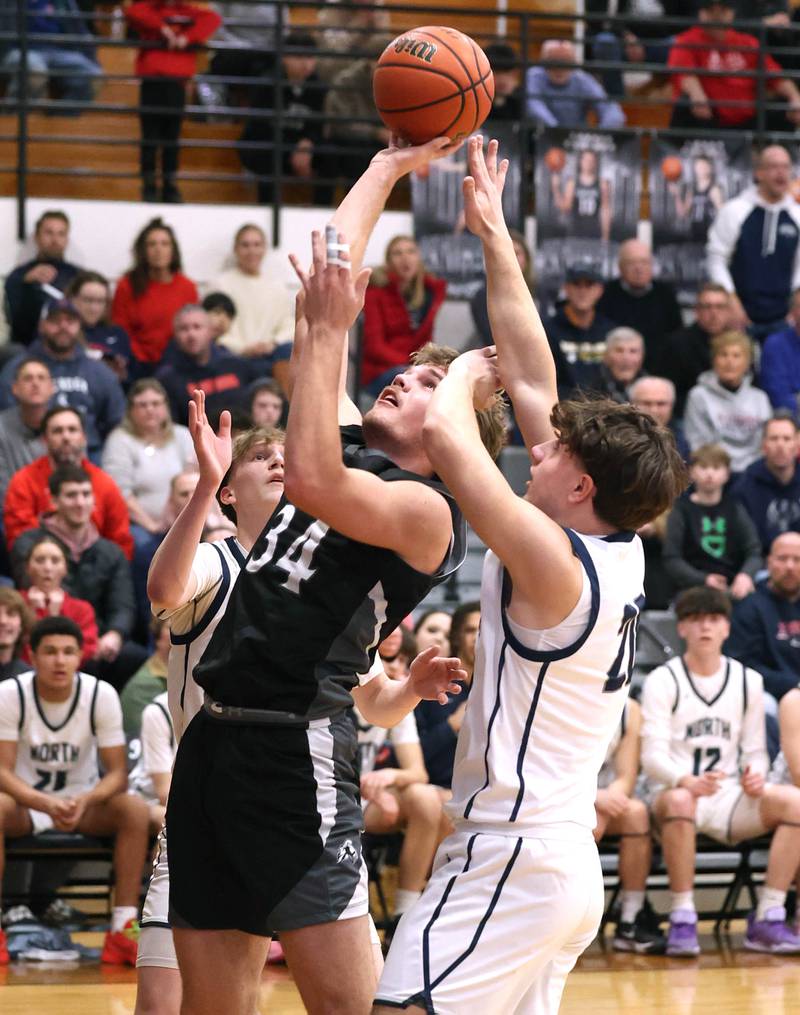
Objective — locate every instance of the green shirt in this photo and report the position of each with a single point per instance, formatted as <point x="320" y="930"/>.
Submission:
<point x="147" y="683"/>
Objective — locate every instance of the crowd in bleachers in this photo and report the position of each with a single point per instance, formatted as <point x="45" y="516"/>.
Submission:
<point x="96" y="460"/>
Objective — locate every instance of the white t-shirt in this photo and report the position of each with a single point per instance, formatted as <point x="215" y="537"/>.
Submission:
<point x="158" y="747"/>
<point x="264" y="310"/>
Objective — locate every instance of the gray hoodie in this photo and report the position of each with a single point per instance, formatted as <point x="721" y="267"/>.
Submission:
<point x="734" y="419"/>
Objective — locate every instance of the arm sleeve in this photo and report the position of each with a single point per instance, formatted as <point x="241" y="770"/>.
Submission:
<point x="774" y="377"/>
<point x="118" y="461"/>
<point x="158" y="741"/>
<point x="405" y="732"/>
<point x="19" y="510"/>
<point x="537" y="109"/>
<point x="108" y="717"/>
<point x="207" y="570"/>
<point x="658" y="698"/>
<point x="144" y="16"/>
<point x="83" y="615"/>
<point x="748" y="542"/>
<point x="609" y="113"/>
<point x="9" y="711"/>
<point x="116" y="521"/>
<point x="111" y="407"/>
<point x="748" y="643"/>
<point x="206" y="22"/>
<point x="120" y="601"/>
<point x="679" y="570"/>
<point x="722" y="237"/>
<point x="122" y="303"/>
<point x="753" y="745"/>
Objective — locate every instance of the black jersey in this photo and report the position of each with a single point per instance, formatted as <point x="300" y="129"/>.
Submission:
<point x="311" y="606"/>
<point x="586" y="209"/>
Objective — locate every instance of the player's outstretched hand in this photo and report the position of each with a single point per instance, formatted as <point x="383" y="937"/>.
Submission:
<point x="483" y="189"/>
<point x="401" y="158"/>
<point x="332" y="297"/>
<point x="433" y="677"/>
<point x="478" y="367"/>
<point x="213" y="450"/>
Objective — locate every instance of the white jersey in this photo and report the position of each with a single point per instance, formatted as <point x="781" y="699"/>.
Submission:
<point x="371" y="739"/>
<point x="693" y="724"/>
<point x="57" y="742"/>
<point x="216" y="567"/>
<point x="608" y="772"/>
<point x="158" y="747"/>
<point x="544" y="705"/>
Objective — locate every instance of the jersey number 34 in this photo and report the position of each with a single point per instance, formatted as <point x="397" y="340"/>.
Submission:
<point x="298" y="557"/>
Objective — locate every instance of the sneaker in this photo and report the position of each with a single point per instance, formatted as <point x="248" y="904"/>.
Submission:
<point x="772" y="934"/>
<point x="682" y="938"/>
<point x="3" y="949"/>
<point x="633" y="937"/>
<point x="119" y="947"/>
<point x="18" y="916"/>
<point x="61" y="915"/>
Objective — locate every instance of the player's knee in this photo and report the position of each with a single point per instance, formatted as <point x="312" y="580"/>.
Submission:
<point x="423" y="803"/>
<point x="637" y="818"/>
<point x="788" y="800"/>
<point x="677" y="803"/>
<point x="131" y="812"/>
<point x="7" y="807"/>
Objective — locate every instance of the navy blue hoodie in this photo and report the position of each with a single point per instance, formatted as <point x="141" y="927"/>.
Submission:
<point x="765" y="635"/>
<point x="224" y="380"/>
<point x="773" y="506"/>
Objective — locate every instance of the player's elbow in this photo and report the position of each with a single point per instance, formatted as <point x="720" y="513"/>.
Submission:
<point x="303" y="488"/>
<point x="436" y="436"/>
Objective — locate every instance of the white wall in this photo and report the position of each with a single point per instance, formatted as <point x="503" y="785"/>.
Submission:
<point x="102" y="233"/>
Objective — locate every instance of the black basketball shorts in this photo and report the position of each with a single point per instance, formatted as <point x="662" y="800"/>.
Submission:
<point x="264" y="827"/>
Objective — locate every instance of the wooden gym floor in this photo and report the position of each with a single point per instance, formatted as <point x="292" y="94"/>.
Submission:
<point x="723" y="980"/>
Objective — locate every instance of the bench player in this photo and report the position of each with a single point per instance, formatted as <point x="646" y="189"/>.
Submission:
<point x="365" y="533"/>
<point x="705" y="755"/>
<point x="56" y="725"/>
<point x="517" y="892"/>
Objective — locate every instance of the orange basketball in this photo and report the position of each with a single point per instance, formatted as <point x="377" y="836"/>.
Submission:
<point x="672" y="168"/>
<point x="433" y="82"/>
<point x="555" y="159"/>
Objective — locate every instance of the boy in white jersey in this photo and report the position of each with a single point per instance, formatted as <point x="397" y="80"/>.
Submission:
<point x="704" y="752"/>
<point x="517" y="892"/>
<point x="151" y="775"/>
<point x="56" y="725"/>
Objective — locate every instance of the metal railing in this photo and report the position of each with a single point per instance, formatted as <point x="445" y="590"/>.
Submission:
<point x="246" y="95"/>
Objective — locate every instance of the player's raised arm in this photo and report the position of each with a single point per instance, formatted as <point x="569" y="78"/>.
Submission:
<point x="524" y="360"/>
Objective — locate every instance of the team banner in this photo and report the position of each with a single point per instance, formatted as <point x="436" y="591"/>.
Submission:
<point x="447" y="248"/>
<point x="588" y="189"/>
<point x="689" y="181"/>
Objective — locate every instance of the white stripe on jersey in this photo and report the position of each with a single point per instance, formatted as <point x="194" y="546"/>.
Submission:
<point x="538" y="723"/>
<point x="191" y="628"/>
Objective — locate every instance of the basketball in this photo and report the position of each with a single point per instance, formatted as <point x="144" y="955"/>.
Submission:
<point x="672" y="168"/>
<point x="433" y="82"/>
<point x="555" y="159"/>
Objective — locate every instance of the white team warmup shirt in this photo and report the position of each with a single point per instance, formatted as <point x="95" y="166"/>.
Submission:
<point x="57" y="742"/>
<point x="158" y="748"/>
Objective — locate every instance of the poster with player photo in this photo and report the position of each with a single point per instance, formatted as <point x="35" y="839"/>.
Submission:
<point x="689" y="181"/>
<point x="447" y="248"/>
<point x="588" y="189"/>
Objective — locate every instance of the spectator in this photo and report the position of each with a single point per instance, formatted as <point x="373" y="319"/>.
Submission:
<point x="49" y="768"/>
<point x="45" y="571"/>
<point x="302" y="98"/>
<point x="433" y="628"/>
<point x="151" y="776"/>
<point x="766" y="625"/>
<point x="509" y="98"/>
<point x="724" y="407"/>
<point x="20" y="426"/>
<point x="704" y="753"/>
<point x="28" y="496"/>
<point x="769" y="489"/>
<point x="181" y="489"/>
<point x="753" y="248"/>
<point x="221" y="312"/>
<point x="559" y="94"/>
<point x="266" y="403"/>
<point x="722" y="101"/>
<point x="639" y="301"/>
<point x="264" y="323"/>
<point x="196" y="362"/>
<point x="148" y="682"/>
<point x="478" y="306"/>
<point x="621" y="365"/>
<point x="439" y="727"/>
<point x="248" y="31"/>
<point x="688" y="351"/>
<point x="16" y="621"/>
<point x="172" y="31"/>
<point x="151" y="293"/>
<point x="779" y="369"/>
<point x="620" y="813"/>
<point x="656" y="395"/>
<point x="400" y="309"/>
<point x="90" y="294"/>
<point x="710" y="539"/>
<point x="577" y="330"/>
<point x="73" y="63"/>
<point x="98" y="571"/>
<point x="31" y="285"/>
<point x="345" y="30"/>
<point x="81" y="382"/>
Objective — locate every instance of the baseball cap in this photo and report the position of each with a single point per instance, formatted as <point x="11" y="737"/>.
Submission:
<point x="584" y="272"/>
<point x="62" y="306"/>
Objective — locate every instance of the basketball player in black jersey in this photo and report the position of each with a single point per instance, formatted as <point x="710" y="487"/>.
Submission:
<point x="585" y="200"/>
<point x="697" y="203"/>
<point x="263" y="818"/>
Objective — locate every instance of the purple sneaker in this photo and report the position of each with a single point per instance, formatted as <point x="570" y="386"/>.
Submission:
<point x="771" y="934"/>
<point x="682" y="938"/>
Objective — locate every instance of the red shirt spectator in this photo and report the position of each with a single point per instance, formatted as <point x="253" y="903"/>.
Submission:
<point x="153" y="19"/>
<point x="399" y="310"/>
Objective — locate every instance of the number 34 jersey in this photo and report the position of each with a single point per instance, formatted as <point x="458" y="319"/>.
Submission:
<point x="544" y="705"/>
<point x="311" y="605"/>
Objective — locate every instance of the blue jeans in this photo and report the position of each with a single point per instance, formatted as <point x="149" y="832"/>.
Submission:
<point x="75" y="85"/>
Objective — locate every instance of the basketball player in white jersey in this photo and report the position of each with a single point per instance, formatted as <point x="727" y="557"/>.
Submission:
<point x="622" y="814"/>
<point x="151" y="774"/>
<point x="704" y="752"/>
<point x="56" y="725"/>
<point x="517" y="891"/>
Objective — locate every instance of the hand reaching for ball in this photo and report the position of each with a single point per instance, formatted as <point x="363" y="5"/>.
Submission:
<point x="483" y="189"/>
<point x="401" y="158"/>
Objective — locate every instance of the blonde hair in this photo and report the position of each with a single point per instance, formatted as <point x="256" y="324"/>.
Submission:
<point x="243" y="443"/>
<point x="138" y="388"/>
<point x="727" y="340"/>
<point x="415" y="290"/>
<point x="710" y="455"/>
